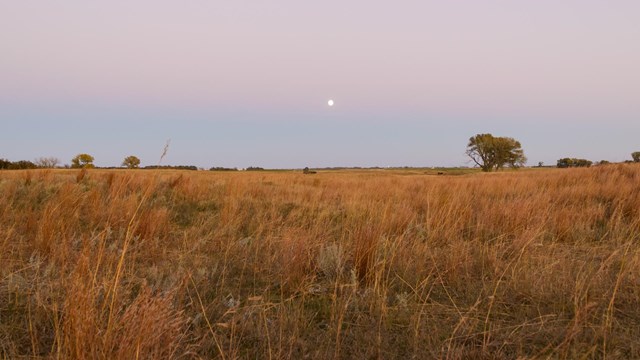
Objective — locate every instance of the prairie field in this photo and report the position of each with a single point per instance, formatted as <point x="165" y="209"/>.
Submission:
<point x="125" y="264"/>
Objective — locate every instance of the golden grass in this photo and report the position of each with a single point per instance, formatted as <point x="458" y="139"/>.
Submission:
<point x="167" y="264"/>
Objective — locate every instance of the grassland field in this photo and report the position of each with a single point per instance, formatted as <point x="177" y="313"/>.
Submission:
<point x="386" y="264"/>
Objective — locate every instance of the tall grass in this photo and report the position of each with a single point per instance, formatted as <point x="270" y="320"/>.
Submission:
<point x="166" y="264"/>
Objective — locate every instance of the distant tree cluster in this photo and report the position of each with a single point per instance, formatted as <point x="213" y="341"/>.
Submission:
<point x="308" y="171"/>
<point x="254" y="168"/>
<point x="636" y="156"/>
<point x="40" y="163"/>
<point x="573" y="162"/>
<point x="130" y="162"/>
<point x="494" y="153"/>
<point x="222" y="169"/>
<point x="17" y="165"/>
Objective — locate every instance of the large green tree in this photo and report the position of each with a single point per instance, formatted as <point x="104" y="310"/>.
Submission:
<point x="636" y="156"/>
<point x="131" y="162"/>
<point x="492" y="153"/>
<point x="82" y="161"/>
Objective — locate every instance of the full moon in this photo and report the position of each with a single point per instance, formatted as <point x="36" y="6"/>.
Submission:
<point x="330" y="102"/>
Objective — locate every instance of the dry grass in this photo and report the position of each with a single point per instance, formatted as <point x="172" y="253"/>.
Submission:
<point x="140" y="264"/>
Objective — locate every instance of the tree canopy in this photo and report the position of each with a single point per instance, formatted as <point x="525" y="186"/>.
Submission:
<point x="492" y="153"/>
<point x="82" y="161"/>
<point x="131" y="162"/>
<point x="636" y="156"/>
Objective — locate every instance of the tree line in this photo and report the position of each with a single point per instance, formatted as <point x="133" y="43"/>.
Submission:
<point x="573" y="162"/>
<point x="486" y="151"/>
<point x="492" y="153"/>
<point x="39" y="163"/>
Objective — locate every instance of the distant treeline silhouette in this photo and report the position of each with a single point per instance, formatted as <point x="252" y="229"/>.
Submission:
<point x="218" y="168"/>
<point x="573" y="162"/>
<point x="169" y="167"/>
<point x="487" y="151"/>
<point x="17" y="165"/>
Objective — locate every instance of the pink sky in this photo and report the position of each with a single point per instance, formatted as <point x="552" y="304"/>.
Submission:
<point x="528" y="61"/>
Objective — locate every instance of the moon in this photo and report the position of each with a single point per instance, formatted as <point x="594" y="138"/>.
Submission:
<point x="330" y="102"/>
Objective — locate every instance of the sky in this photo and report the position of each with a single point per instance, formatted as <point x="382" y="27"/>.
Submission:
<point x="246" y="83"/>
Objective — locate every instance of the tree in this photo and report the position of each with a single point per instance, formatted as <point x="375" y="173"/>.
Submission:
<point x="573" y="162"/>
<point x="82" y="161"/>
<point x="22" y="164"/>
<point x="47" y="162"/>
<point x="493" y="153"/>
<point x="565" y="163"/>
<point x="5" y="164"/>
<point x="636" y="156"/>
<point x="131" y="162"/>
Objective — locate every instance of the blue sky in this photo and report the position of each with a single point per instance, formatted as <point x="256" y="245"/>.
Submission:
<point x="246" y="83"/>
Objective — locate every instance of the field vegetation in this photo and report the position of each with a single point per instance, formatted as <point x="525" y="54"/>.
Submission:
<point x="125" y="264"/>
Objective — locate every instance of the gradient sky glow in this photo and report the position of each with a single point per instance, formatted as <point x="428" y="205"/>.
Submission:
<point x="246" y="83"/>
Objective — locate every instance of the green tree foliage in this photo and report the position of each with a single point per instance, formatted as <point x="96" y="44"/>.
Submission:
<point x="493" y="153"/>
<point x="636" y="156"/>
<point x="82" y="161"/>
<point x="573" y="162"/>
<point x="131" y="162"/>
